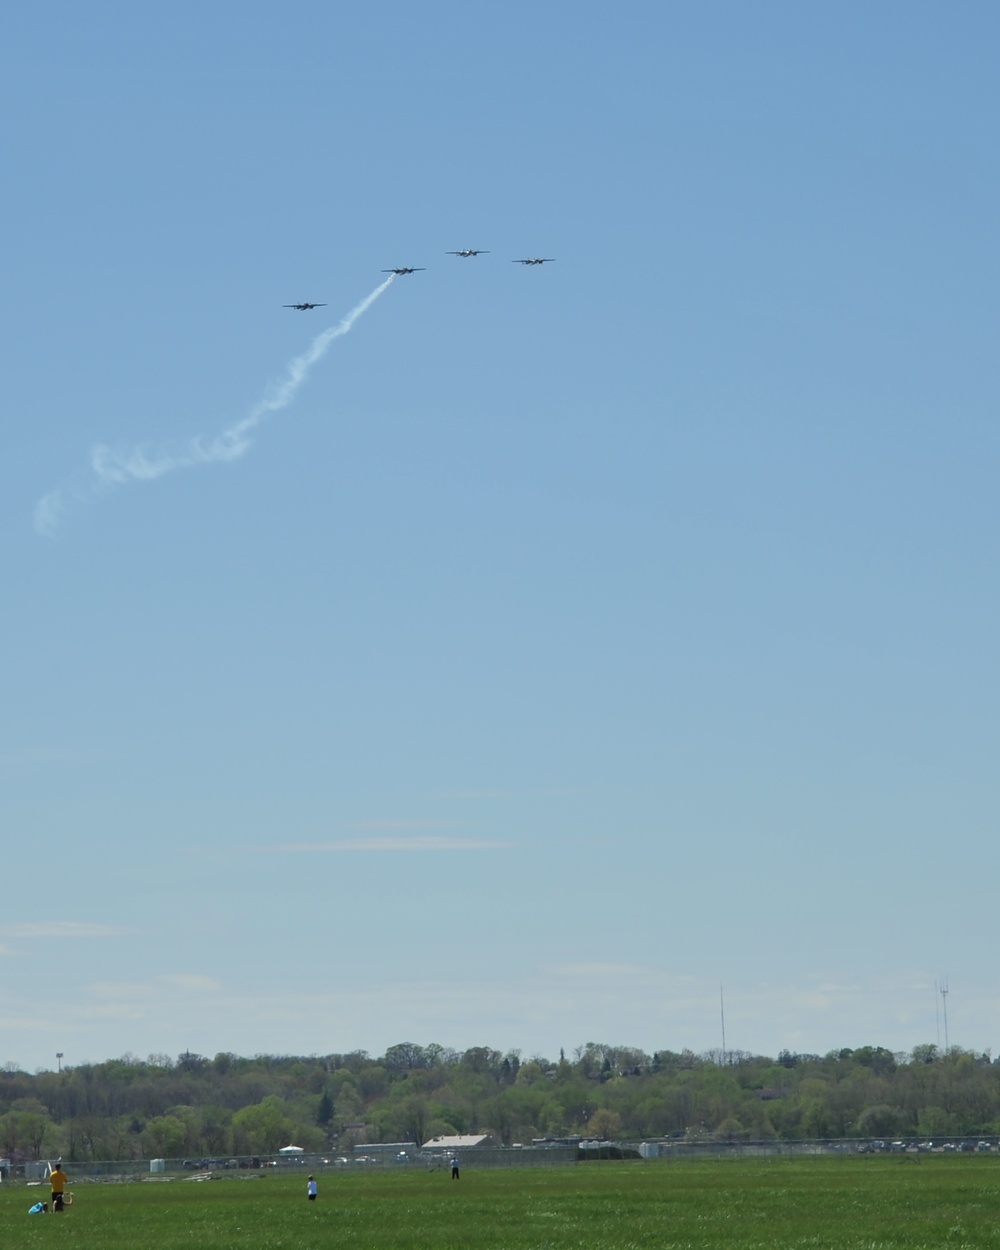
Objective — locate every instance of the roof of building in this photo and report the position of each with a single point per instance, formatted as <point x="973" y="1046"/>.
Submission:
<point x="463" y="1141"/>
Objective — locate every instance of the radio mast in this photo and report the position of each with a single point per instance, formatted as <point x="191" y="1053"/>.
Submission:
<point x="944" y="1000"/>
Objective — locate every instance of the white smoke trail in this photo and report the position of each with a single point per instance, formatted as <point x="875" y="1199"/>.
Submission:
<point x="111" y="468"/>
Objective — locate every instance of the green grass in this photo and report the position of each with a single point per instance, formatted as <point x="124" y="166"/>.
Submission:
<point x="854" y="1204"/>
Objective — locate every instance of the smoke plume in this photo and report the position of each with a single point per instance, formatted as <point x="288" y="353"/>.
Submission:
<point x="110" y="468"/>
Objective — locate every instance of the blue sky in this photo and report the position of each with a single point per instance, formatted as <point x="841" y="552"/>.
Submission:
<point x="571" y="640"/>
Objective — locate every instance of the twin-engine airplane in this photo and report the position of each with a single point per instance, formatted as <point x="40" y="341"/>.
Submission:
<point x="419" y="269"/>
<point x="534" y="260"/>
<point x="303" y="307"/>
<point x="469" y="251"/>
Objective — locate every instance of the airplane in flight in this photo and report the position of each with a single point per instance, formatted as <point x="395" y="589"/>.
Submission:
<point x="303" y="307"/>
<point x="419" y="269"/>
<point x="469" y="251"/>
<point x="533" y="260"/>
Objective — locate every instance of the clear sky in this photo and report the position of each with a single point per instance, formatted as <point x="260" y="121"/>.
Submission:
<point x="562" y="643"/>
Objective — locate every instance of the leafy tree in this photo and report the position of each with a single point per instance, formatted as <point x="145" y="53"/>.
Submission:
<point x="216" y="1130"/>
<point x="347" y="1109"/>
<point x="877" y="1058"/>
<point x="372" y="1080"/>
<point x="604" y="1124"/>
<point x="190" y="1062"/>
<point x="482" y="1059"/>
<point x="439" y="1128"/>
<point x="530" y="1072"/>
<point x="262" y="1129"/>
<point x="25" y="1129"/>
<point x="881" y="1121"/>
<point x="324" y="1112"/>
<point x="164" y="1137"/>
<point x="404" y="1056"/>
<point x="730" y="1129"/>
<point x="936" y="1122"/>
<point x="412" y="1119"/>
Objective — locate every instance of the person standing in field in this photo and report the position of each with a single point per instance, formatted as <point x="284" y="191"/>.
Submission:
<point x="312" y="1189"/>
<point x="57" y="1179"/>
<point x="454" y="1167"/>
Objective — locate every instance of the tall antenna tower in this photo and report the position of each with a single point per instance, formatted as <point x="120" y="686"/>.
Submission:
<point x="722" y="1013"/>
<point x="944" y="1000"/>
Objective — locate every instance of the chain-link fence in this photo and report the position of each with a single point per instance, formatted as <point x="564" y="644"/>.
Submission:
<point x="372" y="1159"/>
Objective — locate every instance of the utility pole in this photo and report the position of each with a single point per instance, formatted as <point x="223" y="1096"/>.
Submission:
<point x="722" y="1012"/>
<point x="944" y="999"/>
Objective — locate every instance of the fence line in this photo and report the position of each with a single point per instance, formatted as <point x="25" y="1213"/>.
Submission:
<point x="664" y="1150"/>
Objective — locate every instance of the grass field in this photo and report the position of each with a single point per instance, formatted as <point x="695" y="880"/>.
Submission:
<point x="854" y="1204"/>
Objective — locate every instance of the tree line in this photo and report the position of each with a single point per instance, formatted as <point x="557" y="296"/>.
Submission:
<point x="193" y="1106"/>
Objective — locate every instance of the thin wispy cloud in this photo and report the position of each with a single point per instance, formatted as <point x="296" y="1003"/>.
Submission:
<point x="64" y="929"/>
<point x="20" y="763"/>
<point x="468" y="794"/>
<point x="428" y="842"/>
<point x="120" y="991"/>
<point x="184" y="982"/>
<point x="190" y="981"/>
<point x="26" y="1024"/>
<point x="110" y="468"/>
<point x="400" y="824"/>
<point x="479" y="795"/>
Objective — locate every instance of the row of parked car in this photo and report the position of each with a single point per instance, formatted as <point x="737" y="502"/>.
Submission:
<point x="218" y="1165"/>
<point x="254" y="1161"/>
<point x="898" y="1147"/>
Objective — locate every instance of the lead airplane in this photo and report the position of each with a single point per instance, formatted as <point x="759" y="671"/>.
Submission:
<point x="469" y="251"/>
<point x="303" y="307"/>
<point x="419" y="269"/>
<point x="534" y="260"/>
